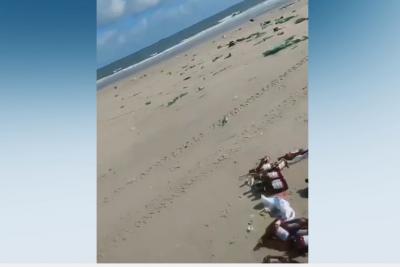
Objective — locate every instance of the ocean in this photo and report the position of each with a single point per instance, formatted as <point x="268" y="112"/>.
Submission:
<point x="185" y="39"/>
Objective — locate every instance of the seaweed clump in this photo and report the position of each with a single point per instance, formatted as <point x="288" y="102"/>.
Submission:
<point x="170" y="103"/>
<point x="300" y="20"/>
<point x="283" y="20"/>
<point x="288" y="42"/>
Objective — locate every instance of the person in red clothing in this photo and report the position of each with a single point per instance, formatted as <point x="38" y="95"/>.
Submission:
<point x="266" y="165"/>
<point x="263" y="161"/>
<point x="293" y="154"/>
<point x="271" y="183"/>
<point x="293" y="234"/>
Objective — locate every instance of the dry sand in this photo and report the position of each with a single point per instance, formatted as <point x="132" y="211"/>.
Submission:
<point x="168" y="176"/>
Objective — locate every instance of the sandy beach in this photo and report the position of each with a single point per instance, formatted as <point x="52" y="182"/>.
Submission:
<point x="175" y="139"/>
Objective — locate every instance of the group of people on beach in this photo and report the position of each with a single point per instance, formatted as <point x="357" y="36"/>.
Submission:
<point x="267" y="178"/>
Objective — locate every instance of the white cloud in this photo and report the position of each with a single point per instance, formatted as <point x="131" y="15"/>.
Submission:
<point x="121" y="36"/>
<point x="123" y="30"/>
<point x="105" y="37"/>
<point x="109" y="11"/>
<point x="136" y="6"/>
<point x="115" y="43"/>
<point x="139" y="27"/>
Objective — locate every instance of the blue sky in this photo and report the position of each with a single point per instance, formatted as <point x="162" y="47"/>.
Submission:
<point x="125" y="26"/>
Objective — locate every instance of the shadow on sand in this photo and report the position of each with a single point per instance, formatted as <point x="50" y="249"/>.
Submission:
<point x="254" y="193"/>
<point x="303" y="192"/>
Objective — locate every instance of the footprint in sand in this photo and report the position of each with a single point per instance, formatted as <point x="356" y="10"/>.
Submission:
<point x="235" y="111"/>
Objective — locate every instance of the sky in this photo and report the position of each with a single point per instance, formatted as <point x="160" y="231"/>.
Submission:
<point x="126" y="26"/>
<point x="48" y="131"/>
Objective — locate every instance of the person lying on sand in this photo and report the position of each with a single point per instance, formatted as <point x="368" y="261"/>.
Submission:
<point x="293" y="232"/>
<point x="276" y="185"/>
<point x="270" y="183"/>
<point x="267" y="174"/>
<point x="279" y="165"/>
<point x="278" y="208"/>
<point x="266" y="169"/>
<point x="273" y="173"/>
<point x="271" y="176"/>
<point x="293" y="154"/>
<point x="266" y="165"/>
<point x="290" y="229"/>
<point x="263" y="161"/>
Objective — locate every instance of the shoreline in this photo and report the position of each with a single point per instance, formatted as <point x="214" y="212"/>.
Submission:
<point x="169" y="164"/>
<point x="191" y="42"/>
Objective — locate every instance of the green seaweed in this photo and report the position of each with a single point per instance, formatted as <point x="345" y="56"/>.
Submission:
<point x="299" y="20"/>
<point x="170" y="103"/>
<point x="265" y="24"/>
<point x="287" y="43"/>
<point x="256" y="36"/>
<point x="289" y="39"/>
<point x="283" y="20"/>
<point x="251" y="36"/>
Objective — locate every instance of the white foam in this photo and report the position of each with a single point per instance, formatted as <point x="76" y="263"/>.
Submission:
<point x="230" y="18"/>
